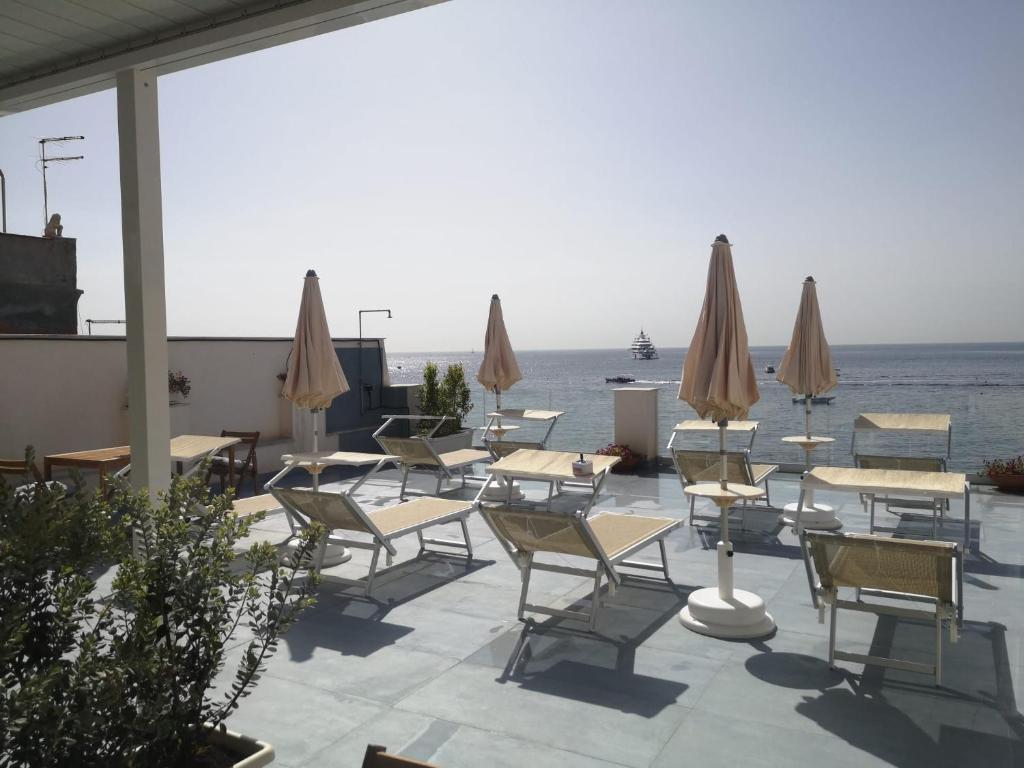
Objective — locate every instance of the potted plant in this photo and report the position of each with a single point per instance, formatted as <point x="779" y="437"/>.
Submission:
<point x="1006" y="475"/>
<point x="629" y="460"/>
<point x="126" y="680"/>
<point x="178" y="384"/>
<point x="449" y="396"/>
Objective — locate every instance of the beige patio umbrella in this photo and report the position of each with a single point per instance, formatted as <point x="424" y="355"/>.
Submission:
<point x="314" y="375"/>
<point x="806" y="367"/>
<point x="499" y="369"/>
<point x="718" y="382"/>
<point x="807" y="370"/>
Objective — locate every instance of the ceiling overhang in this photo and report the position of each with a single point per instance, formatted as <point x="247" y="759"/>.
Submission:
<point x="40" y="65"/>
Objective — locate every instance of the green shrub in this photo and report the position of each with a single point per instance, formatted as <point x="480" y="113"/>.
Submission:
<point x="450" y="397"/>
<point x="124" y="679"/>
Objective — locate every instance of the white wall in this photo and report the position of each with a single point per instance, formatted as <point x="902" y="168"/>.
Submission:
<point x="62" y="394"/>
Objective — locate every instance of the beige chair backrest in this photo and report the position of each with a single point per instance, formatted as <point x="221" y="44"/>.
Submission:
<point x="335" y="510"/>
<point x="411" y="450"/>
<point x="913" y="463"/>
<point x="503" y="448"/>
<point x="874" y="562"/>
<point x="705" y="466"/>
<point x="541" y="531"/>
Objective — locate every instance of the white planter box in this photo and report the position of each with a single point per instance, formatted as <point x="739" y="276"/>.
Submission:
<point x="251" y="752"/>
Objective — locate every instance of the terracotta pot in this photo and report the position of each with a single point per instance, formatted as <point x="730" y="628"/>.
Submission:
<point x="1008" y="483"/>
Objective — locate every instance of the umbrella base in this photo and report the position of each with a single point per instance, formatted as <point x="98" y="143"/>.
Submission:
<point x="743" y="617"/>
<point x="817" y="517"/>
<point x="499" y="492"/>
<point x="335" y="554"/>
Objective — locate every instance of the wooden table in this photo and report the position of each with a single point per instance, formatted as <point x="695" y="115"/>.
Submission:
<point x="185" y="450"/>
<point x="102" y="460"/>
<point x="551" y="467"/>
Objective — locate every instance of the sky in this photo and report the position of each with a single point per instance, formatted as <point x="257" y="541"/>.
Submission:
<point x="576" y="157"/>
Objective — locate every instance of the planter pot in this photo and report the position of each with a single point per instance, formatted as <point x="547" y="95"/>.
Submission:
<point x="463" y="439"/>
<point x="246" y="751"/>
<point x="626" y="466"/>
<point x="1008" y="483"/>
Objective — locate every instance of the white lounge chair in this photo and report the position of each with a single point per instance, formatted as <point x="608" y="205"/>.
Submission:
<point x="886" y="568"/>
<point x="418" y="454"/>
<point x="340" y="512"/>
<point x="604" y="537"/>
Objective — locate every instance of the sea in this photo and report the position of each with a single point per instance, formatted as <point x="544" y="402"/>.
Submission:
<point x="980" y="385"/>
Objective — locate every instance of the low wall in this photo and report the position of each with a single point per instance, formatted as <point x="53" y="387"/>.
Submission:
<point x="69" y="393"/>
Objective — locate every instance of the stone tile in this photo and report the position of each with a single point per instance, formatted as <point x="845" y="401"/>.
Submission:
<point x="615" y="726"/>
<point x="299" y="720"/>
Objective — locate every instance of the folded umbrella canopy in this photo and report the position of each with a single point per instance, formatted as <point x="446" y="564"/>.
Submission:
<point x="314" y="376"/>
<point x="718" y="382"/>
<point x="806" y="367"/>
<point x="807" y="370"/>
<point x="499" y="369"/>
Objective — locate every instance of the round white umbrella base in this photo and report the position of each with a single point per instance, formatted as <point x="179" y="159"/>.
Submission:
<point x="741" y="618"/>
<point x="500" y="492"/>
<point x="818" y="517"/>
<point x="335" y="554"/>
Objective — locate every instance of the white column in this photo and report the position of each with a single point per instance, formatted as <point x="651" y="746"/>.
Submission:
<point x="144" y="300"/>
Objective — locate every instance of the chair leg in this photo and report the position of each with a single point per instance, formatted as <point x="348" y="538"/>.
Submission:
<point x="595" y="601"/>
<point x="938" y="650"/>
<point x="405" y="479"/>
<point x="832" y="631"/>
<point x="469" y="544"/>
<point x="423" y="547"/>
<point x="440" y="482"/>
<point x="664" y="559"/>
<point x="373" y="569"/>
<point x="526" y="584"/>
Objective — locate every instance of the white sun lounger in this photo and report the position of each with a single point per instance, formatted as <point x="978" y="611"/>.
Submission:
<point x="417" y="454"/>
<point x="340" y="512"/>
<point x="704" y="466"/>
<point x="893" y="569"/>
<point x="605" y="537"/>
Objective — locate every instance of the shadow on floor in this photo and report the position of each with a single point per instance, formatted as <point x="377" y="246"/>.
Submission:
<point x="350" y="623"/>
<point x="559" y="657"/>
<point x="977" y="693"/>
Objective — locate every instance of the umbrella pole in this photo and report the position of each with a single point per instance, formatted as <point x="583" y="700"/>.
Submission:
<point x="316" y="447"/>
<point x="724" y="548"/>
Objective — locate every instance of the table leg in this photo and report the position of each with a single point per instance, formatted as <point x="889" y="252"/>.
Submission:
<point x="47" y="469"/>
<point x="231" y="466"/>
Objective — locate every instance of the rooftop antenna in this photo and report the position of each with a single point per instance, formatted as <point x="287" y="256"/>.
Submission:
<point x="44" y="160"/>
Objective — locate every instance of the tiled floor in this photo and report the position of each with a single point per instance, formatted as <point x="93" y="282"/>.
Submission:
<point x="437" y="667"/>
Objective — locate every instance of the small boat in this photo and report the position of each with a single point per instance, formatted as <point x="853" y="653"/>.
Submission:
<point x="620" y="379"/>
<point x="769" y="369"/>
<point x="818" y="400"/>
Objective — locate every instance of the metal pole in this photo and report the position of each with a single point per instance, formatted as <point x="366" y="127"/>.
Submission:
<point x="724" y="466"/>
<point x="3" y="197"/>
<point x="807" y="414"/>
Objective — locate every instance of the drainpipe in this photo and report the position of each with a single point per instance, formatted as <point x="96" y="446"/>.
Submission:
<point x="3" y="198"/>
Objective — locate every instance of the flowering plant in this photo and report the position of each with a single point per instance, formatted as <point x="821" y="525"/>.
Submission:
<point x="180" y="383"/>
<point x="622" y="451"/>
<point x="998" y="467"/>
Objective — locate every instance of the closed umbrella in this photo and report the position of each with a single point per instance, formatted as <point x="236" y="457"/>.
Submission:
<point x="499" y="369"/>
<point x="314" y="375"/>
<point x="807" y="370"/>
<point x="718" y="382"/>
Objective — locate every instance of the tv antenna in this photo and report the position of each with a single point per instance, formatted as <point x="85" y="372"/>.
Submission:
<point x="44" y="160"/>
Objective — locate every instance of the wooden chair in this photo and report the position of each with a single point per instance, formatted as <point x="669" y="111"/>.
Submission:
<point x="227" y="467"/>
<point x="378" y="757"/>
